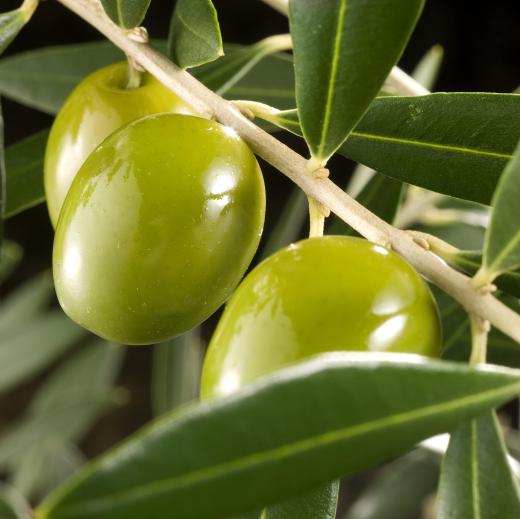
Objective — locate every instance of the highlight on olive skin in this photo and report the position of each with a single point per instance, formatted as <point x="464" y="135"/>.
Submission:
<point x="158" y="227"/>
<point x="99" y="105"/>
<point x="319" y="295"/>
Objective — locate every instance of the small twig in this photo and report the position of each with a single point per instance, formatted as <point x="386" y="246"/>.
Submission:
<point x="295" y="166"/>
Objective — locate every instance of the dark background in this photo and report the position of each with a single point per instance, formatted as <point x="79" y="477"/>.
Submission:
<point x="482" y="53"/>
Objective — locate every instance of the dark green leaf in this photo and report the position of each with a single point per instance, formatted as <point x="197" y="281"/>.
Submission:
<point x="10" y="255"/>
<point x="382" y="195"/>
<point x="289" y="224"/>
<point x="456" y="144"/>
<point x="476" y="480"/>
<point x="177" y="364"/>
<point x="400" y="489"/>
<point x="502" y="244"/>
<point x="12" y="504"/>
<point x="194" y="37"/>
<point x="320" y="503"/>
<point x="30" y="350"/>
<point x="44" y="77"/>
<point x="126" y="13"/>
<point x="24" y="166"/>
<point x="340" y="66"/>
<point x="203" y="460"/>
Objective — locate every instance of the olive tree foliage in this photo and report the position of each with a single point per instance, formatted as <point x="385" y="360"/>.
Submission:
<point x="438" y="181"/>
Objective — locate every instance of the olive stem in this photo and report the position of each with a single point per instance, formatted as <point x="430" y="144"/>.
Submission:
<point x="316" y="218"/>
<point x="479" y="336"/>
<point x="135" y="76"/>
<point x="282" y="6"/>
<point x="295" y="166"/>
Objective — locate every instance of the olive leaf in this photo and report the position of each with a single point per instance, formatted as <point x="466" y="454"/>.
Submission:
<point x="476" y="480"/>
<point x="126" y="13"/>
<point x="340" y="66"/>
<point x="456" y="144"/>
<point x="24" y="167"/>
<point x="194" y="37"/>
<point x="203" y="460"/>
<point x="502" y="242"/>
<point x="177" y="364"/>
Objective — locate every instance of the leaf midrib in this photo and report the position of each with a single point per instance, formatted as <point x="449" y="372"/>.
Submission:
<point x="332" y="78"/>
<point x="431" y="145"/>
<point x="475" y="498"/>
<point x="279" y="452"/>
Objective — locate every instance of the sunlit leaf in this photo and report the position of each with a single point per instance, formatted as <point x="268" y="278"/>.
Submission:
<point x="203" y="460"/>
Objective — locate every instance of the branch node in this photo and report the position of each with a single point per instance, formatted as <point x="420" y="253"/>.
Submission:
<point x="321" y="173"/>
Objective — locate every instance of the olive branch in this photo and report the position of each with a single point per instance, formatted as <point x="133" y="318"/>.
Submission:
<point x="476" y="301"/>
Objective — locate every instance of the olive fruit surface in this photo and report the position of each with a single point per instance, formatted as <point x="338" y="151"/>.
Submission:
<point x="158" y="227"/>
<point x="319" y="295"/>
<point x="98" y="106"/>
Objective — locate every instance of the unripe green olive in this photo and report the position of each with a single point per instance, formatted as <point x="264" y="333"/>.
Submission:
<point x="158" y="227"/>
<point x="98" y="106"/>
<point x="320" y="295"/>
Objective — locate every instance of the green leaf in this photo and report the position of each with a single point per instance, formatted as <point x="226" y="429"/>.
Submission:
<point x="126" y="13"/>
<point x="12" y="504"/>
<point x="24" y="304"/>
<point x="289" y="224"/>
<point x="400" y="489"/>
<point x="30" y="350"/>
<point x="44" y="77"/>
<point x="502" y="243"/>
<point x="177" y="364"/>
<point x="194" y="37"/>
<point x="365" y="408"/>
<point x="10" y="255"/>
<point x="456" y="144"/>
<point x="476" y="480"/>
<point x="382" y="195"/>
<point x="11" y="24"/>
<point x="320" y="503"/>
<point x="340" y="65"/>
<point x="24" y="165"/>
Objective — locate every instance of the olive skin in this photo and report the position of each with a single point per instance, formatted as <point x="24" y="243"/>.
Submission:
<point x="158" y="227"/>
<point x="319" y="295"/>
<point x="98" y="106"/>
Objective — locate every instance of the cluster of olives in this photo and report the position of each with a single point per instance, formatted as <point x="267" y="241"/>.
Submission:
<point x="158" y="214"/>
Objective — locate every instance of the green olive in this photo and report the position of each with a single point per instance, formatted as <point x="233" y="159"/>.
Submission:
<point x="320" y="295"/>
<point x="98" y="106"/>
<point x="158" y="227"/>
